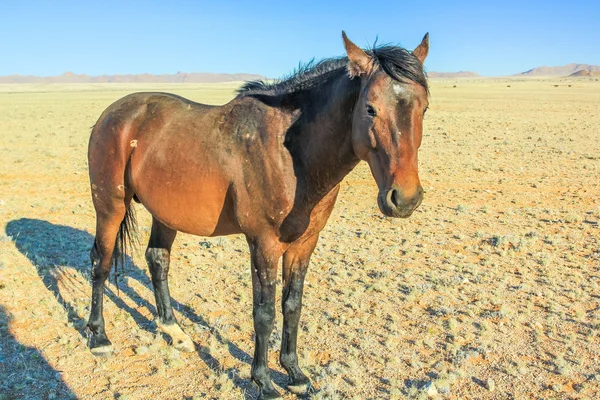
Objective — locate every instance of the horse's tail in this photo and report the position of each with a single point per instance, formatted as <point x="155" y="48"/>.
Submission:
<point x="126" y="241"/>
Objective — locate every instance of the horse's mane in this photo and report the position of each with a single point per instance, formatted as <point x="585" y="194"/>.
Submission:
<point x="399" y="63"/>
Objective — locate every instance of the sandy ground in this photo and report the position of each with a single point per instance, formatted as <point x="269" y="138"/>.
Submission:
<point x="491" y="290"/>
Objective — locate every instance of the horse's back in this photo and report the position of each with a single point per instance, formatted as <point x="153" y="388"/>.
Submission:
<point x="126" y="117"/>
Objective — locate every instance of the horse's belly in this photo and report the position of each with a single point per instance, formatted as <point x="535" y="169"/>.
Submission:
<point x="205" y="211"/>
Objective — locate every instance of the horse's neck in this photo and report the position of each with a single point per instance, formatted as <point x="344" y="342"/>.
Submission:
<point x="325" y="137"/>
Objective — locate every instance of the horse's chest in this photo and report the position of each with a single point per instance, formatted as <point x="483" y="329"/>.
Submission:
<point x="265" y="195"/>
<point x="271" y="196"/>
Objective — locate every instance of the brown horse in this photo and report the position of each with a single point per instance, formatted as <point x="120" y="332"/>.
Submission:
<point x="267" y="164"/>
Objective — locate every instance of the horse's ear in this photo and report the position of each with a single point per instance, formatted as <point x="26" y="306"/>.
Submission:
<point x="421" y="51"/>
<point x="359" y="62"/>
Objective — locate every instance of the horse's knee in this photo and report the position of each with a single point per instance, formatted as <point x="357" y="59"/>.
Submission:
<point x="264" y="317"/>
<point x="292" y="296"/>
<point x="292" y="306"/>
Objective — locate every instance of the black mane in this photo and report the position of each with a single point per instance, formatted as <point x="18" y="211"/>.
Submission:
<point x="399" y="63"/>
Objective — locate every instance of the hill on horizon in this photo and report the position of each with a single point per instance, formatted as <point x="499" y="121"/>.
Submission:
<point x="459" y="74"/>
<point x="179" y="77"/>
<point x="587" y="72"/>
<point x="572" y="69"/>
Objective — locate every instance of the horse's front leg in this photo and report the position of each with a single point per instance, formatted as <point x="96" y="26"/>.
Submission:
<point x="295" y="264"/>
<point x="265" y="258"/>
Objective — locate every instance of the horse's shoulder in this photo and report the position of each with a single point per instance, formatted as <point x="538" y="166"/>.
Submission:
<point x="251" y="119"/>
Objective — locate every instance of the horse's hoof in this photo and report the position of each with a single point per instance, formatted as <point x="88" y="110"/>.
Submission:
<point x="300" y="386"/>
<point x="269" y="394"/>
<point x="299" y="389"/>
<point x="99" y="345"/>
<point x="102" y="351"/>
<point x="185" y="345"/>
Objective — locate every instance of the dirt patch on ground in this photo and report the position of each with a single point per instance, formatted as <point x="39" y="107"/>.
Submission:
<point x="490" y="290"/>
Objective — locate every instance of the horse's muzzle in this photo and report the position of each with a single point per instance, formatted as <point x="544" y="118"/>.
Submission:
<point x="394" y="203"/>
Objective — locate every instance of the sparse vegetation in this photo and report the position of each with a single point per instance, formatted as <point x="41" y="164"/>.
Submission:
<point x="491" y="286"/>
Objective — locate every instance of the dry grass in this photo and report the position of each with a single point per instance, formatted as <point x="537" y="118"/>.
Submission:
<point x="491" y="290"/>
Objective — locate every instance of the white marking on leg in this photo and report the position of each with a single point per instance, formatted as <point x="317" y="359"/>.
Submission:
<point x="102" y="351"/>
<point x="181" y="341"/>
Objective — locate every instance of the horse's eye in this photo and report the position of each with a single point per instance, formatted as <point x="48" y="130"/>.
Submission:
<point x="371" y="111"/>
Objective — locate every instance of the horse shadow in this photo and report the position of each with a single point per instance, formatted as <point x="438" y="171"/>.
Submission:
<point x="25" y="373"/>
<point x="48" y="245"/>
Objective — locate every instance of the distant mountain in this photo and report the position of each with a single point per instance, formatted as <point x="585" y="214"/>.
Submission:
<point x="595" y="71"/>
<point x="565" y="70"/>
<point x="459" y="74"/>
<point x="179" y="77"/>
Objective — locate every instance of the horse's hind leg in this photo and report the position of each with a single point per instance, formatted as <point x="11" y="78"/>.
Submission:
<point x="107" y="228"/>
<point x="158" y="257"/>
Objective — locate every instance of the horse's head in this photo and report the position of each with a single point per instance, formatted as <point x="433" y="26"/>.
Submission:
<point x="387" y="124"/>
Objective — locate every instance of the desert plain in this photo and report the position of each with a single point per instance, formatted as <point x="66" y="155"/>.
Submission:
<point x="491" y="290"/>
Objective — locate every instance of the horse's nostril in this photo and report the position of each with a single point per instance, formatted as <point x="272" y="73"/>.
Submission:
<point x="394" y="197"/>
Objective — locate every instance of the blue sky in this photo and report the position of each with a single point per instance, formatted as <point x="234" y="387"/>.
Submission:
<point x="271" y="37"/>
